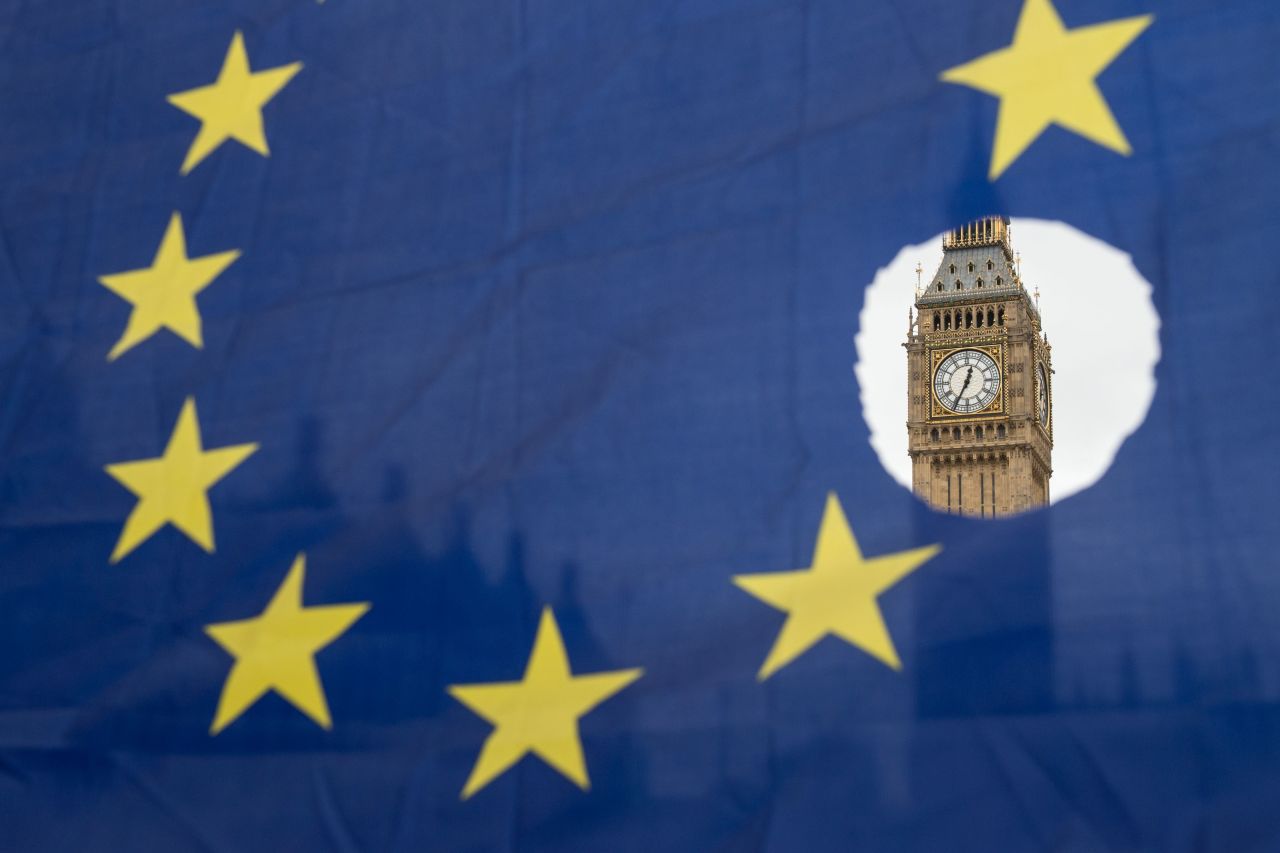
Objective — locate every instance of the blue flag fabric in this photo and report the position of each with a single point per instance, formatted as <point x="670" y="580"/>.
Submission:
<point x="503" y="330"/>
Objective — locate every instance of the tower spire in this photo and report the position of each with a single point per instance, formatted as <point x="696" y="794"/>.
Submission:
<point x="987" y="231"/>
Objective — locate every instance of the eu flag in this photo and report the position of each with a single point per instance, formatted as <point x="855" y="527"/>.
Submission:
<point x="430" y="425"/>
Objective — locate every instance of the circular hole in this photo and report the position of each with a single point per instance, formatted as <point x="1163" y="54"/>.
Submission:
<point x="1098" y="369"/>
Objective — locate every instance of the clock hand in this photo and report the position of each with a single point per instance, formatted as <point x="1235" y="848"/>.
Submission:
<point x="967" y="377"/>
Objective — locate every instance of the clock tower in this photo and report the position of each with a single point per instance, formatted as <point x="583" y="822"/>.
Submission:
<point x="980" y="381"/>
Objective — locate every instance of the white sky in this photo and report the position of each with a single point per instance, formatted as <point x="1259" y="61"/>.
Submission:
<point x="1097" y="311"/>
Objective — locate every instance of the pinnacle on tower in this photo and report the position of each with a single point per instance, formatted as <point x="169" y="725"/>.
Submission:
<point x="987" y="231"/>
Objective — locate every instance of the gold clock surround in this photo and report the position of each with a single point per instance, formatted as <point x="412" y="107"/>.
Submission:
<point x="989" y="344"/>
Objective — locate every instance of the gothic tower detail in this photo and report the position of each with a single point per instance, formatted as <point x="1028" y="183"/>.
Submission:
<point x="979" y="381"/>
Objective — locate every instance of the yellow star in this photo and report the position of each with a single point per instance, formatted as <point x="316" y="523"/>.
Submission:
<point x="540" y="713"/>
<point x="231" y="107"/>
<point x="164" y="295"/>
<point x="836" y="595"/>
<point x="1047" y="77"/>
<point x="172" y="489"/>
<point x="276" y="651"/>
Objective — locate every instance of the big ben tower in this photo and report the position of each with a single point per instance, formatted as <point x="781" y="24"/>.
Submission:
<point x="979" y="396"/>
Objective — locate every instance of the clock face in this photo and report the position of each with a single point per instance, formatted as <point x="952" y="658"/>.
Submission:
<point x="967" y="381"/>
<point x="1042" y="401"/>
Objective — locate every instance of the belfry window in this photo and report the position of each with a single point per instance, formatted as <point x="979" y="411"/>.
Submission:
<point x="947" y="322"/>
<point x="991" y="317"/>
<point x="937" y="321"/>
<point x="1000" y="317"/>
<point x="979" y="323"/>
<point x="968" y="319"/>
